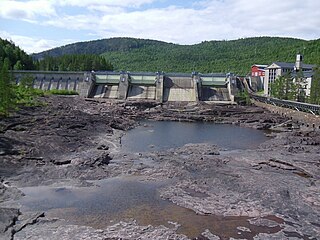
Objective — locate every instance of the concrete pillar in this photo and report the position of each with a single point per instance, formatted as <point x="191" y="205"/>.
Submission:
<point x="67" y="83"/>
<point x="76" y="82"/>
<point x="123" y="86"/>
<point x="266" y="83"/>
<point x="229" y="80"/>
<point x="46" y="83"/>
<point x="197" y="86"/>
<point x="55" y="83"/>
<point x="62" y="84"/>
<point x="42" y="82"/>
<point x="50" y="83"/>
<point x="159" y="87"/>
<point x="85" y="85"/>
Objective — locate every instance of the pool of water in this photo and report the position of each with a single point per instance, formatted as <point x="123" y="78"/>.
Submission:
<point x="152" y="135"/>
<point x="121" y="199"/>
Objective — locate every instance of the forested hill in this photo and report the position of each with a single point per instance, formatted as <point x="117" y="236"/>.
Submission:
<point x="15" y="57"/>
<point x="210" y="56"/>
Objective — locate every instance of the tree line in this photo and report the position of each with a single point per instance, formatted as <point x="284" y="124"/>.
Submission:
<point x="73" y="62"/>
<point x="17" y="59"/>
<point x="12" y="95"/>
<point x="13" y="58"/>
<point x="235" y="56"/>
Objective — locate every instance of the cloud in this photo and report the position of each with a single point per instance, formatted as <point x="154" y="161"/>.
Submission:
<point x="33" y="45"/>
<point x="206" y="20"/>
<point x="216" y="20"/>
<point x="26" y="11"/>
<point x="184" y="24"/>
<point x="88" y="3"/>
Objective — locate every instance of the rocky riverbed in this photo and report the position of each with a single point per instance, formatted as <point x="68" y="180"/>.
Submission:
<point x="271" y="192"/>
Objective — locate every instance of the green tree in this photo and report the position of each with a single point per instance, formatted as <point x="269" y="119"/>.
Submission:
<point x="284" y="87"/>
<point x="315" y="87"/>
<point x="7" y="96"/>
<point x="277" y="88"/>
<point x="300" y="87"/>
<point x="25" y="92"/>
<point x="18" y="65"/>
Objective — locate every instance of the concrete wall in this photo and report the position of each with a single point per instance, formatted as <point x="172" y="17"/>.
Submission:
<point x="159" y="88"/>
<point x="179" y="88"/>
<point x="77" y="81"/>
<point x="163" y="88"/>
<point x="214" y="94"/>
<point x="111" y="91"/>
<point x="302" y="118"/>
<point x="141" y="92"/>
<point x="123" y="86"/>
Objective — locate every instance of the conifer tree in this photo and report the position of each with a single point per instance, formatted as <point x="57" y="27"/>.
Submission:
<point x="7" y="97"/>
<point x="315" y="87"/>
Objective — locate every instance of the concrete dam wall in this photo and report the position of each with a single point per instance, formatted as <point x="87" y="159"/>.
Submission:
<point x="49" y="80"/>
<point x="161" y="87"/>
<point x="179" y="88"/>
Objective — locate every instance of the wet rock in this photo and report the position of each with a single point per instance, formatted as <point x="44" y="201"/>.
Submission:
<point x="208" y="235"/>
<point x="103" y="147"/>
<point x="72" y="138"/>
<point x="104" y="159"/>
<point x="8" y="218"/>
<point x="61" y="161"/>
<point x="57" y="230"/>
<point x="27" y="219"/>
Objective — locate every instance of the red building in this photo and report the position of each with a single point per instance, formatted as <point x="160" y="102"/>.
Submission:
<point x="258" y="70"/>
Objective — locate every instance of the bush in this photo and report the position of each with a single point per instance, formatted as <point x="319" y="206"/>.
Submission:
<point x="243" y="97"/>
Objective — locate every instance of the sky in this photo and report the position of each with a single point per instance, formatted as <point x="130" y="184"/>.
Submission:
<point x="38" y="25"/>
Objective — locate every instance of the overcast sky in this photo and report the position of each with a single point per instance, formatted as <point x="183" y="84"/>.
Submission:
<point x="38" y="25"/>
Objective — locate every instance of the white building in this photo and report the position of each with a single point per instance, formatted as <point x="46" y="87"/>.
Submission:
<point x="277" y="69"/>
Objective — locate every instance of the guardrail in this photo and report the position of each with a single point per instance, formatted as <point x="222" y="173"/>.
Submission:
<point x="298" y="106"/>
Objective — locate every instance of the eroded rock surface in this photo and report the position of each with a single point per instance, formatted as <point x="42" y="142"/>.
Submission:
<point x="70" y="140"/>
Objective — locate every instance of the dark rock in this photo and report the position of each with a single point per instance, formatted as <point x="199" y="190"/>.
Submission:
<point x="61" y="161"/>
<point x="103" y="147"/>
<point x="104" y="159"/>
<point x="8" y="218"/>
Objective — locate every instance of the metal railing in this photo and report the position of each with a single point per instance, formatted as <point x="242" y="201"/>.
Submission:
<point x="298" y="106"/>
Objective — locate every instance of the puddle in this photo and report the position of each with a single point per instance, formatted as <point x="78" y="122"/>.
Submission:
<point x="118" y="199"/>
<point x="157" y="136"/>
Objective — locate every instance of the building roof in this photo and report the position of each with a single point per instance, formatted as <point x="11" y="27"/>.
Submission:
<point x="310" y="66"/>
<point x="306" y="74"/>
<point x="292" y="65"/>
<point x="285" y="64"/>
<point x="259" y="65"/>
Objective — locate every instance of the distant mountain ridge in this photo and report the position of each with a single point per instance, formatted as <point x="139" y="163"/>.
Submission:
<point x="99" y="47"/>
<point x="237" y="56"/>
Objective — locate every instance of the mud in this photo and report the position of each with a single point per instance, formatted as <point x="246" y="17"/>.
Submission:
<point x="271" y="192"/>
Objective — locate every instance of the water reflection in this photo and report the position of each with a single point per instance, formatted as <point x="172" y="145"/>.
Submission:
<point x="120" y="199"/>
<point x="164" y="135"/>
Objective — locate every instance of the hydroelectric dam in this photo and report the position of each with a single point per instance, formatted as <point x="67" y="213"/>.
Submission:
<point x="159" y="86"/>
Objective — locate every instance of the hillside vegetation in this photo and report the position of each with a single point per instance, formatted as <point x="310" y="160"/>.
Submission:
<point x="210" y="56"/>
<point x="73" y="62"/>
<point x="14" y="57"/>
<point x="17" y="59"/>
